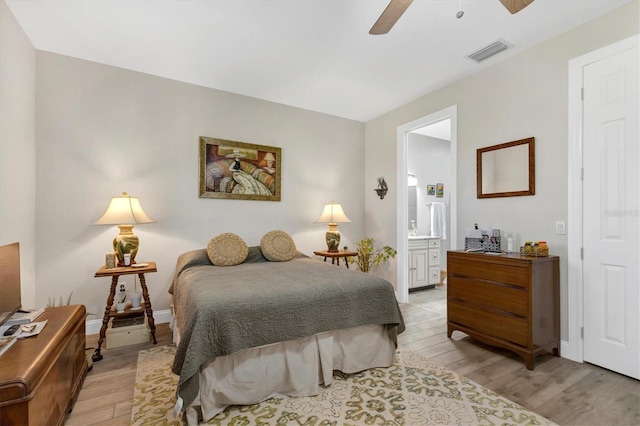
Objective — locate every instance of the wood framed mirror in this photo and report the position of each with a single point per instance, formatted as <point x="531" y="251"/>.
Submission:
<point x="507" y="169"/>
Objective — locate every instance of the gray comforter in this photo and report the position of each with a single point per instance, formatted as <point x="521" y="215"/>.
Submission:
<point x="222" y="310"/>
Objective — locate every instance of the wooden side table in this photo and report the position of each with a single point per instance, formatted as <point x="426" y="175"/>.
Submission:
<point x="337" y="255"/>
<point x="115" y="273"/>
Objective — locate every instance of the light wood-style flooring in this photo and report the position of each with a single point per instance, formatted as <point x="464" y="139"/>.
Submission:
<point x="564" y="391"/>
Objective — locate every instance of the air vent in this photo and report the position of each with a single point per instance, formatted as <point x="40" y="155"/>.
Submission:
<point x="490" y="50"/>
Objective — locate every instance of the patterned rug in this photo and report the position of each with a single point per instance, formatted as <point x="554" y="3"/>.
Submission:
<point x="413" y="391"/>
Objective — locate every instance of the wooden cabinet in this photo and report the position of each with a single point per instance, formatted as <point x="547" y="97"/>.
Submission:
<point x="424" y="262"/>
<point x="41" y="376"/>
<point x="507" y="300"/>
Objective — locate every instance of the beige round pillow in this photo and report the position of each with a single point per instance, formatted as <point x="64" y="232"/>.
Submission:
<point x="227" y="250"/>
<point x="278" y="246"/>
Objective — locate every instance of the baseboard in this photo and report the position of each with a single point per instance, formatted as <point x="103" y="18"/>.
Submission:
<point x="160" y="317"/>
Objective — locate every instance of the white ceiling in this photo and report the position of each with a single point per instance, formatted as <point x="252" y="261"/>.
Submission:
<point x="312" y="54"/>
<point x="439" y="130"/>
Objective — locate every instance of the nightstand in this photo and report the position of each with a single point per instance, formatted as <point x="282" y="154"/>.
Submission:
<point x="336" y="255"/>
<point x="115" y="273"/>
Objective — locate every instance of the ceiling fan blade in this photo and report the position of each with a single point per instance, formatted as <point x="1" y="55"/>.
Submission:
<point x="390" y="16"/>
<point x="515" y="6"/>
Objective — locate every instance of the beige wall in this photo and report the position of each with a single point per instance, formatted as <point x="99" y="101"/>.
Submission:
<point x="103" y="130"/>
<point x="17" y="146"/>
<point x="521" y="97"/>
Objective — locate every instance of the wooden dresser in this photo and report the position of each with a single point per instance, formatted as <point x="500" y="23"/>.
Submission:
<point x="510" y="301"/>
<point x="40" y="376"/>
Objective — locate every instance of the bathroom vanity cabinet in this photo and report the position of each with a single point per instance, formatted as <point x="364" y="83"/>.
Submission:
<point x="424" y="262"/>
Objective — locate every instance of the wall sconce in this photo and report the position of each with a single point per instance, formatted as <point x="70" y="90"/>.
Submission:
<point x="382" y="188"/>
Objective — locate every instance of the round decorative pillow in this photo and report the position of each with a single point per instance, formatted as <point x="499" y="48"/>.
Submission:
<point x="278" y="246"/>
<point x="227" y="250"/>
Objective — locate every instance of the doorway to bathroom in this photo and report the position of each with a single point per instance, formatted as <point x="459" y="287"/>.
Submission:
<point x="427" y="158"/>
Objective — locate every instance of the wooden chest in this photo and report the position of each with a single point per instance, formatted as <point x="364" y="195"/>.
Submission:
<point x="41" y="376"/>
<point x="510" y="301"/>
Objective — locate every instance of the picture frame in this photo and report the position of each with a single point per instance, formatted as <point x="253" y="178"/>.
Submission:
<point x="440" y="190"/>
<point x="239" y="170"/>
<point x="431" y="190"/>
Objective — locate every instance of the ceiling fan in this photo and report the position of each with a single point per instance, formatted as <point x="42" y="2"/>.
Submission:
<point x="396" y="8"/>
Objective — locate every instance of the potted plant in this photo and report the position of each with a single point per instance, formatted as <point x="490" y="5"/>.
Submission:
<point x="368" y="257"/>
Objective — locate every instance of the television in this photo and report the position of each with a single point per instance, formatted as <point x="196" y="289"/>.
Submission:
<point x="10" y="301"/>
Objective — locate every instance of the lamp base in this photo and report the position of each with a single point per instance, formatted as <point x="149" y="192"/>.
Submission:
<point x="333" y="238"/>
<point x="125" y="242"/>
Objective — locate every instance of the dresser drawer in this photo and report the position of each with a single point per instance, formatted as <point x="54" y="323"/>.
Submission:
<point x="489" y="295"/>
<point x="496" y="272"/>
<point x="505" y="327"/>
<point x="434" y="243"/>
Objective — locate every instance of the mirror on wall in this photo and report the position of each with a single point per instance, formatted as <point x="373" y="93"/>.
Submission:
<point x="412" y="193"/>
<point x="506" y="170"/>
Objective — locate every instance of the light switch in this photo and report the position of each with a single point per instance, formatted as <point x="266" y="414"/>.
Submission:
<point x="561" y="227"/>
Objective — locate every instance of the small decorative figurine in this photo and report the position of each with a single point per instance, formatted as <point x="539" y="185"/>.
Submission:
<point x="121" y="297"/>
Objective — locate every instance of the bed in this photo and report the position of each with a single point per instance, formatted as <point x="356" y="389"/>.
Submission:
<point x="260" y="329"/>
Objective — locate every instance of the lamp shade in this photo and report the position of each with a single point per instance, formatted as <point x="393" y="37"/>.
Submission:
<point x="332" y="213"/>
<point x="124" y="211"/>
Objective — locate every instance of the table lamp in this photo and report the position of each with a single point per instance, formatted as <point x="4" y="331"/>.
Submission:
<point x="124" y="211"/>
<point x="332" y="214"/>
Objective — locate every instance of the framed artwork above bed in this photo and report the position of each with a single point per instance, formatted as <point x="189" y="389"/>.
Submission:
<point x="238" y="170"/>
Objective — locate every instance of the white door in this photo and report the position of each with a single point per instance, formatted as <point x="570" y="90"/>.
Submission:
<point x="611" y="190"/>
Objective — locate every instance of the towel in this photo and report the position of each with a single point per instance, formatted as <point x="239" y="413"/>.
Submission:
<point x="438" y="213"/>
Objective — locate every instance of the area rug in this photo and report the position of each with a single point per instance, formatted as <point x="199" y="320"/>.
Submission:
<point x="413" y="391"/>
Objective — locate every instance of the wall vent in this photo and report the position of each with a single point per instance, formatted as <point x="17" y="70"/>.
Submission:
<point x="490" y="50"/>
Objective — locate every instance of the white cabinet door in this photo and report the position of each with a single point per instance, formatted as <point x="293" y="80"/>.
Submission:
<point x="418" y="268"/>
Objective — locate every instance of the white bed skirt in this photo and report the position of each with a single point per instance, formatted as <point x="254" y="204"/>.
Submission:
<point x="293" y="368"/>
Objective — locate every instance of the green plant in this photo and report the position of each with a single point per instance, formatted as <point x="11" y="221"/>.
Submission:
<point x="368" y="257"/>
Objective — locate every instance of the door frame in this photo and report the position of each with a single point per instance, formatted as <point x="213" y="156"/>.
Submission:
<point x="573" y="347"/>
<point x="402" y="244"/>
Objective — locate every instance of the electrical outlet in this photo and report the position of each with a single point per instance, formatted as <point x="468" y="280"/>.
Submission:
<point x="561" y="227"/>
